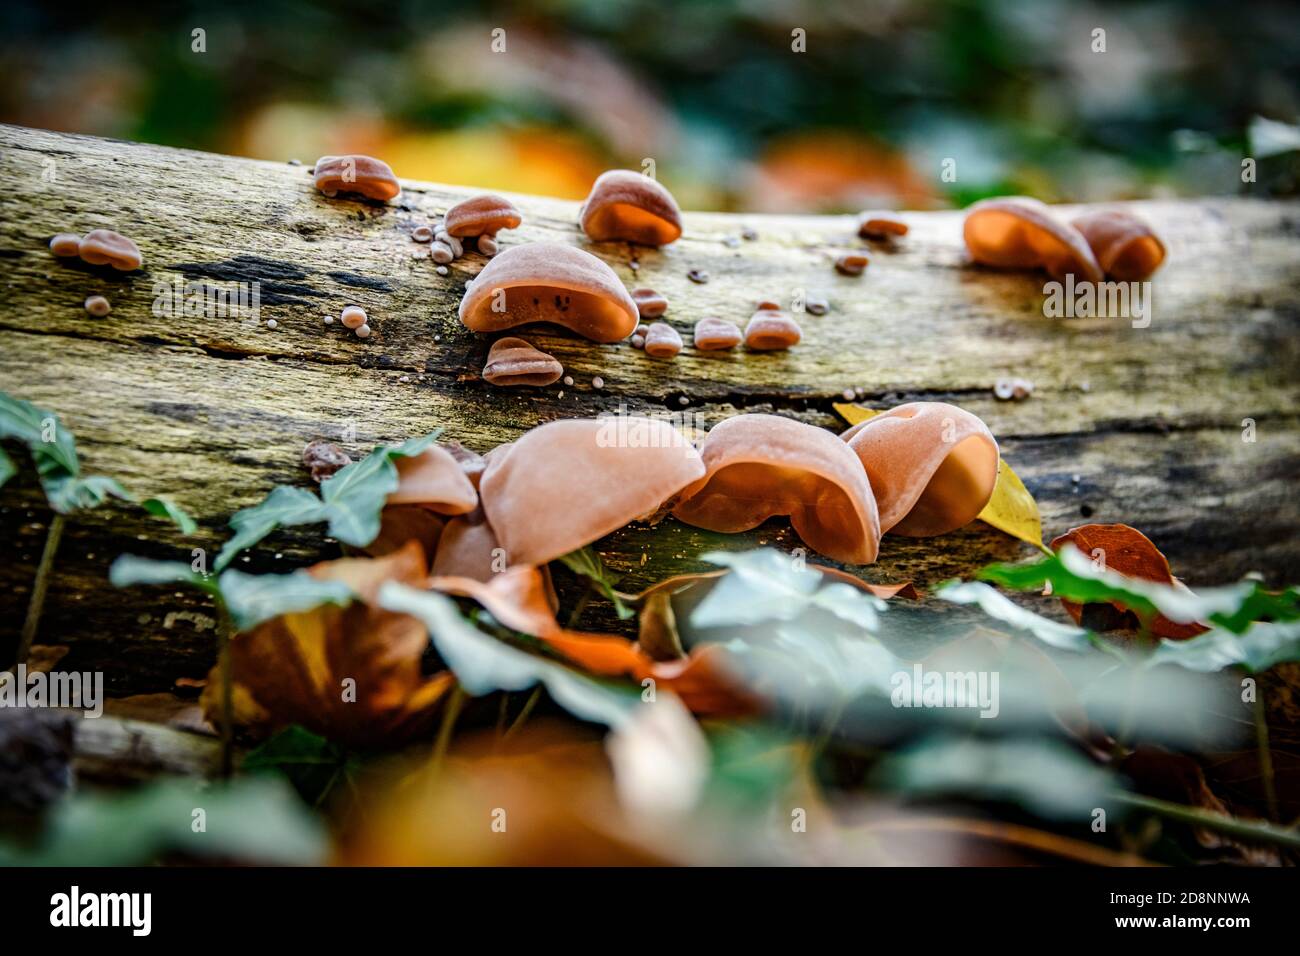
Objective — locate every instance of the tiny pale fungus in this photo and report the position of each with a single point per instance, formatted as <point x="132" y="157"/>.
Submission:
<point x="104" y="247"/>
<point x="441" y="253"/>
<point x="568" y="483"/>
<point x="364" y="332"/>
<point x="434" y="479"/>
<point x="874" y="225"/>
<point x="484" y="215"/>
<point x="1021" y="233"/>
<point x="932" y="466"/>
<point x="353" y="317"/>
<point x="771" y="330"/>
<point x="662" y="341"/>
<point x="713" y="334"/>
<point x="365" y="175"/>
<point x="760" y="466"/>
<point x="513" y="361"/>
<point x="638" y="341"/>
<point x="649" y="303"/>
<point x="98" y="306"/>
<point x="1126" y="247"/>
<point x="66" y="245"/>
<point x="488" y="246"/>
<point x="851" y="264"/>
<point x="422" y="234"/>
<point x="627" y="205"/>
<point x="549" y="282"/>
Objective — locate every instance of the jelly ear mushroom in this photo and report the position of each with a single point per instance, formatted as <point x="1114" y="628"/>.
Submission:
<point x="713" y="334"/>
<point x="549" y="282"/>
<point x="932" y="466"/>
<point x="627" y="205"/>
<point x="1126" y="247"/>
<point x="567" y="483"/>
<point x="1022" y="233"/>
<point x="484" y="215"/>
<point x="66" y="245"/>
<point x="764" y="465"/>
<point x="104" y="247"/>
<point x="771" y="329"/>
<point x="370" y="177"/>
<point x="435" y="480"/>
<point x="513" y="361"/>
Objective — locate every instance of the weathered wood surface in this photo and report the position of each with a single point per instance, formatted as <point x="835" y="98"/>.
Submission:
<point x="215" y="411"/>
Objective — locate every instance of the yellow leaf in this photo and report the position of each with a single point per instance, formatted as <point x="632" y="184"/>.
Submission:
<point x="1013" y="509"/>
<point x="854" y="414"/>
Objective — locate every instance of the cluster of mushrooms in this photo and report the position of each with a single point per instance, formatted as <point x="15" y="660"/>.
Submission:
<point x="99" y="247"/>
<point x="921" y="469"/>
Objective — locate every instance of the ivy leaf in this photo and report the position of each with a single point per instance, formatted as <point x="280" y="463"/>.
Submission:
<point x="1075" y="577"/>
<point x="129" y="570"/>
<point x="586" y="561"/>
<point x="766" y="585"/>
<point x="310" y="762"/>
<point x="7" y="468"/>
<point x="1256" y="649"/>
<point x="482" y="664"/>
<point x="32" y="426"/>
<point x="254" y="820"/>
<point x="285" y="506"/>
<point x="1046" y="778"/>
<point x="68" y="493"/>
<point x="351" y="500"/>
<point x="166" y="508"/>
<point x="254" y="598"/>
<point x="999" y="606"/>
<point x="1012" y="508"/>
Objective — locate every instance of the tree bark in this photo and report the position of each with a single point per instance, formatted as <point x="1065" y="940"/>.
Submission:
<point x="1143" y="426"/>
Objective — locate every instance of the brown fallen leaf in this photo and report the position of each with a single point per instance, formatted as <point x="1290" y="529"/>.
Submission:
<point x="351" y="674"/>
<point x="1129" y="552"/>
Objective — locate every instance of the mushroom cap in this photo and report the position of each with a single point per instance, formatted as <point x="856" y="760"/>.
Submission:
<point x="104" y="247"/>
<point x="399" y="524"/>
<point x="1017" y="232"/>
<point x="649" y="303"/>
<point x="513" y="361"/>
<point x="875" y="225"/>
<point x="932" y="466"/>
<point x="354" y="173"/>
<point x="468" y="548"/>
<point x="765" y="465"/>
<point x="484" y="215"/>
<point x="1127" y="249"/>
<point x="662" y="341"/>
<point x="712" y="333"/>
<point x="771" y="329"/>
<point x="66" y="244"/>
<point x="565" y="484"/>
<point x="435" y="480"/>
<point x="627" y="205"/>
<point x="550" y="282"/>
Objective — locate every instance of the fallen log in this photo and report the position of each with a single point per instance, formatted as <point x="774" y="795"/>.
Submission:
<point x="1140" y="425"/>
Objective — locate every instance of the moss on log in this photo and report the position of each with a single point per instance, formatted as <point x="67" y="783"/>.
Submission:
<point x="1136" y="425"/>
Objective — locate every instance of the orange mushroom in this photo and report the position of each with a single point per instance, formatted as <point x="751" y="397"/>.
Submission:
<point x="770" y="329"/>
<point x="104" y="247"/>
<point x="627" y="205"/>
<point x="565" y="484"/>
<point x="513" y="361"/>
<point x="875" y="225"/>
<point x="1126" y="247"/>
<point x="649" y="303"/>
<point x="370" y="177"/>
<point x="1021" y="233"/>
<point x="66" y="245"/>
<point x="760" y="466"/>
<point x="435" y="480"/>
<point x="932" y="466"/>
<point x="549" y="282"/>
<point x="662" y="341"/>
<point x="712" y="334"/>
<point x="484" y="215"/>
